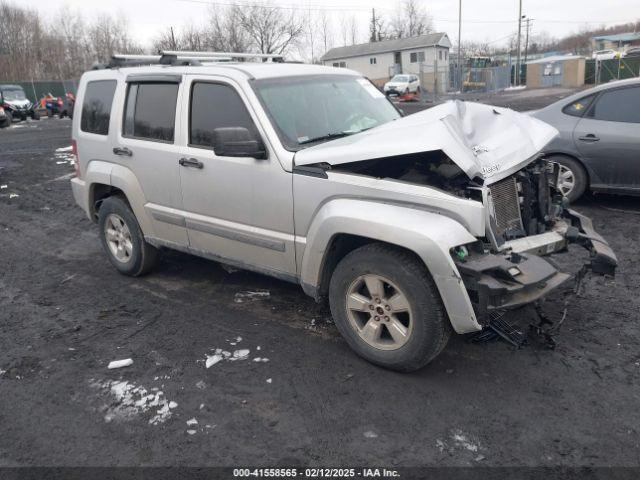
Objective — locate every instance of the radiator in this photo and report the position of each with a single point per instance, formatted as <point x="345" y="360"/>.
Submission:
<point x="507" y="206"/>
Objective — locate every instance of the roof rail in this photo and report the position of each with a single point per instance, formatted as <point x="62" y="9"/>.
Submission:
<point x="174" y="57"/>
<point x="274" y="57"/>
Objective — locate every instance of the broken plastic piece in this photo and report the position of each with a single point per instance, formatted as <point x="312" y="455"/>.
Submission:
<point x="120" y="363"/>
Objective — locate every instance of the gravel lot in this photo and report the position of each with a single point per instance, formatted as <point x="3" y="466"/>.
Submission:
<point x="65" y="314"/>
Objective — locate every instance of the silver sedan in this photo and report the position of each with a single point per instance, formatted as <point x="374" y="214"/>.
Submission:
<point x="598" y="148"/>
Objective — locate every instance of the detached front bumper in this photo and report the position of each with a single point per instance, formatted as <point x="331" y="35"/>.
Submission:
<point x="519" y="275"/>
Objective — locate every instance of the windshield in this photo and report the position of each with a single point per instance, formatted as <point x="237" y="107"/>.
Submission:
<point x="13" y="94"/>
<point x="310" y="109"/>
<point x="400" y="78"/>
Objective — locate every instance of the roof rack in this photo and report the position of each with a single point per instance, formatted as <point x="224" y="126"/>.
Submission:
<point x="274" y="57"/>
<point x="175" y="57"/>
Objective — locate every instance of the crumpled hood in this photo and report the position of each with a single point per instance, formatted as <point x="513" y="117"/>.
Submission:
<point x="484" y="141"/>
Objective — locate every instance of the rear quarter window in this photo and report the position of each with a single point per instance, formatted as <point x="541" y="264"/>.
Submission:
<point x="96" y="106"/>
<point x="579" y="107"/>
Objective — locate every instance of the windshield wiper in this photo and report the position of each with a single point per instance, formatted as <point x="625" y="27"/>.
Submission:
<point x="327" y="136"/>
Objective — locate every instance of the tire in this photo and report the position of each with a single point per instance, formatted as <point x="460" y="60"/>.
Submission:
<point x="35" y="116"/>
<point x="141" y="257"/>
<point x="425" y="323"/>
<point x="575" y="173"/>
<point x="9" y="118"/>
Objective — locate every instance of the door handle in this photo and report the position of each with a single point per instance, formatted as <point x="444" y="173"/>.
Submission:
<point x="589" y="138"/>
<point x="190" y="162"/>
<point x="123" y="152"/>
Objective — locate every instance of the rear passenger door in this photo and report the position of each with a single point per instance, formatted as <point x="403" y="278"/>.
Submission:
<point x="147" y="146"/>
<point x="608" y="137"/>
<point x="236" y="208"/>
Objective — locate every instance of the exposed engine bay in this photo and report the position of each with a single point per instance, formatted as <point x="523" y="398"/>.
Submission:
<point x="523" y="204"/>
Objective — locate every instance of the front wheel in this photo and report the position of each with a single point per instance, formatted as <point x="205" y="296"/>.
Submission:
<point x="122" y="238"/>
<point x="387" y="308"/>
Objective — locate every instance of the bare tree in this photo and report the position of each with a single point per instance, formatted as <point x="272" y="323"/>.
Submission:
<point x="271" y="29"/>
<point x="326" y="32"/>
<point x="411" y="20"/>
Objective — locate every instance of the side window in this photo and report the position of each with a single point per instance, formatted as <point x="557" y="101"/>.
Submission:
<point x="413" y="57"/>
<point x="214" y="105"/>
<point x="96" y="106"/>
<point x="620" y="105"/>
<point x="150" y="111"/>
<point x="579" y="107"/>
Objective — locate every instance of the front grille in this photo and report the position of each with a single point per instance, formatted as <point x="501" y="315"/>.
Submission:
<point x="507" y="206"/>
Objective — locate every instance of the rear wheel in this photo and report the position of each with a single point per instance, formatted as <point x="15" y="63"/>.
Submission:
<point x="387" y="308"/>
<point x="572" y="178"/>
<point x="122" y="238"/>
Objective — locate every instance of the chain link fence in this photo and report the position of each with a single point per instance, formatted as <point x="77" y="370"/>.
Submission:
<point x="35" y="90"/>
<point x="480" y="80"/>
<point x="603" y="71"/>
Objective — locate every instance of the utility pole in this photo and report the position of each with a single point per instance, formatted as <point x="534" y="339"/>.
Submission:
<point x="518" y="52"/>
<point x="526" y="42"/>
<point x="459" y="46"/>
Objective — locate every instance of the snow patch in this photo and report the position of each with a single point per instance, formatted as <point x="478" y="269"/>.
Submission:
<point x="131" y="400"/>
<point x="251" y="296"/>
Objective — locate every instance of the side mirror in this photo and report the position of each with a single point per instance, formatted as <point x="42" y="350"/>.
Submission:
<point x="237" y="142"/>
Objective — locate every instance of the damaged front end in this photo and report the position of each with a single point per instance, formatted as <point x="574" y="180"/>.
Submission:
<point x="527" y="219"/>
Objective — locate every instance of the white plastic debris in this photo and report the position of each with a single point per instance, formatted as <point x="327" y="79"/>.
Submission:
<point x="173" y="404"/>
<point x="192" y="421"/>
<point x="201" y="385"/>
<point x="191" y="432"/>
<point x="261" y="359"/>
<point x="201" y="406"/>
<point x="269" y="380"/>
<point x="212" y="360"/>
<point x="13" y="195"/>
<point x="2" y="187"/>
<point x="370" y="434"/>
<point x="251" y="296"/>
<point x="243" y="353"/>
<point x="120" y="363"/>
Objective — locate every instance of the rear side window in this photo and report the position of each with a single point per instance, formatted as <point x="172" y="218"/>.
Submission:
<point x="150" y="111"/>
<point x="96" y="106"/>
<point x="215" y="105"/>
<point x="620" y="105"/>
<point x="579" y="107"/>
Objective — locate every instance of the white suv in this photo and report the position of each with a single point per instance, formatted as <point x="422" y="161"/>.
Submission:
<point x="411" y="227"/>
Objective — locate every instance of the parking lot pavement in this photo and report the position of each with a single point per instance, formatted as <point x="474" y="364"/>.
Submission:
<point x="519" y="100"/>
<point x="65" y="314"/>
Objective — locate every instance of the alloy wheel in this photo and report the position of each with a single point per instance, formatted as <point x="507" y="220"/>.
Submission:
<point x="566" y="180"/>
<point x="118" y="238"/>
<point x="379" y="312"/>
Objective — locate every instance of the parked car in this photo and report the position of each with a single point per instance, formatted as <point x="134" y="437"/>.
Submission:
<point x="411" y="227"/>
<point x="605" y="54"/>
<point x="632" y="53"/>
<point x="599" y="143"/>
<point x="402" y="84"/>
<point x="4" y="119"/>
<point x="16" y="104"/>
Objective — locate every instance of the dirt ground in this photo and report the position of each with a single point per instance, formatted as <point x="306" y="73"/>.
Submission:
<point x="65" y="313"/>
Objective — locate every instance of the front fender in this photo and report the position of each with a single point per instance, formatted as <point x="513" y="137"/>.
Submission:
<point x="429" y="235"/>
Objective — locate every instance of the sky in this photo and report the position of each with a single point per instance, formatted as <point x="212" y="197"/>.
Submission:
<point x="482" y="20"/>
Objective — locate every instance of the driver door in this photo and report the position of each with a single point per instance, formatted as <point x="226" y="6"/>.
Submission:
<point x="238" y="209"/>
